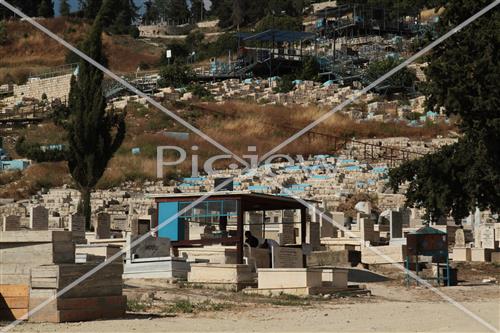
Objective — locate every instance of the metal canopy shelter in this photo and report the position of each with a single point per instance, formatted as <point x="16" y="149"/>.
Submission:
<point x="278" y="36"/>
<point x="236" y="203"/>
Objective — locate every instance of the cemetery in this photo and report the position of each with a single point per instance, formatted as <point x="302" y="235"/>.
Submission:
<point x="238" y="241"/>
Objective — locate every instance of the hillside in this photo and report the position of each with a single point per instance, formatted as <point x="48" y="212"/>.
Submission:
<point x="28" y="50"/>
<point x="262" y="126"/>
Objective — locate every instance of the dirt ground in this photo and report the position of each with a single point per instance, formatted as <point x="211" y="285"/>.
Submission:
<point x="391" y="307"/>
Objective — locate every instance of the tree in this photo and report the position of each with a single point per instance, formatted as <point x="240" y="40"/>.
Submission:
<point x="91" y="8"/>
<point x="46" y="8"/>
<point x="176" y="75"/>
<point x="64" y="8"/>
<point x="94" y="134"/>
<point x="401" y="81"/>
<point x="283" y="22"/>
<point x="238" y="12"/>
<point x="462" y="76"/>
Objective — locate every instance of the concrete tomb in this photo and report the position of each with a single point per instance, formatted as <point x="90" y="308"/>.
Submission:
<point x="77" y="227"/>
<point x="151" y="259"/>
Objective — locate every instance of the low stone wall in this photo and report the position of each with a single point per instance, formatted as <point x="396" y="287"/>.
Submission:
<point x="54" y="87"/>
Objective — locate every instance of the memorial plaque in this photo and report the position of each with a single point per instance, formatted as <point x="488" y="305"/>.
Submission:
<point x="287" y="257"/>
<point x="39" y="218"/>
<point x="487" y="237"/>
<point x="119" y="222"/>
<point x="11" y="223"/>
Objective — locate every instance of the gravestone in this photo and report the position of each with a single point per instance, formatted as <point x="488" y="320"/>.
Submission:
<point x="459" y="238"/>
<point x="102" y="230"/>
<point x="327" y="227"/>
<point x="366" y="230"/>
<point x="77" y="227"/>
<point x="255" y="224"/>
<point x="287" y="228"/>
<point x="287" y="257"/>
<point x="39" y="218"/>
<point x="119" y="222"/>
<point x="134" y="226"/>
<point x="11" y="223"/>
<point x="148" y="248"/>
<point x="396" y="224"/>
<point x="314" y="236"/>
<point x="487" y="237"/>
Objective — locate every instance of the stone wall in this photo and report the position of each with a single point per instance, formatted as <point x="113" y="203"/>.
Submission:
<point x="54" y="87"/>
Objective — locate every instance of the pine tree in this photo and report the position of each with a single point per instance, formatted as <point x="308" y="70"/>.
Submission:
<point x="90" y="127"/>
<point x="64" y="8"/>
<point x="463" y="79"/>
<point x="46" y="8"/>
<point x="91" y="8"/>
<point x="238" y="13"/>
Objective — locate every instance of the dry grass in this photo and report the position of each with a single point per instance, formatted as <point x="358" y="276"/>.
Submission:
<point x="30" y="50"/>
<point x="235" y="125"/>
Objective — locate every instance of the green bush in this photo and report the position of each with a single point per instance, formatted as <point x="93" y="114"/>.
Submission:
<point x="176" y="75"/>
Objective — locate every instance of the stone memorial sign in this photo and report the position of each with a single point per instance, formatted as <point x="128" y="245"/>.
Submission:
<point x="459" y="238"/>
<point x="396" y="224"/>
<point x="119" y="222"/>
<point x="255" y="224"/>
<point x="77" y="227"/>
<point x="11" y="223"/>
<point x="134" y="226"/>
<point x="39" y="218"/>
<point x="366" y="230"/>
<point x="314" y="236"/>
<point x="287" y="257"/>
<point x="149" y="248"/>
<point x="287" y="228"/>
<point x="103" y="226"/>
<point x="487" y="237"/>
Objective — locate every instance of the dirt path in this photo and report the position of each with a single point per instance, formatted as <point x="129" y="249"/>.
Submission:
<point x="391" y="309"/>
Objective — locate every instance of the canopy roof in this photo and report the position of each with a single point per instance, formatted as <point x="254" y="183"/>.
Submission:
<point x="276" y="35"/>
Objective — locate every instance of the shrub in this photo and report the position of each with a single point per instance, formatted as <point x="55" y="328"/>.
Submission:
<point x="175" y="75"/>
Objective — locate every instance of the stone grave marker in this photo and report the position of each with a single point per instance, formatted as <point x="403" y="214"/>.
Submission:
<point x="396" y="224"/>
<point x="150" y="247"/>
<point x="287" y="228"/>
<point x="77" y="227"/>
<point x="255" y="224"/>
<point x="134" y="226"/>
<point x="39" y="218"/>
<point x="102" y="230"/>
<point x="11" y="223"/>
<point x="459" y="238"/>
<point x="487" y="237"/>
<point x="366" y="230"/>
<point x="314" y="235"/>
<point x="287" y="257"/>
<point x="119" y="222"/>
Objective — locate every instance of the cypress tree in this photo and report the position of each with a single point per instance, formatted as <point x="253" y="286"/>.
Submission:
<point x="64" y="8"/>
<point x="94" y="134"/>
<point x="46" y="8"/>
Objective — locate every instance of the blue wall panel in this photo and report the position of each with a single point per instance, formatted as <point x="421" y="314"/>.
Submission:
<point x="171" y="230"/>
